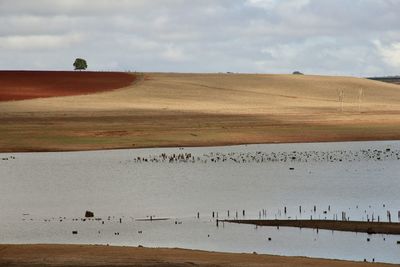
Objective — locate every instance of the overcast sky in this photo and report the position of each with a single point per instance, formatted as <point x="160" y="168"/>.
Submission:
<point x="334" y="37"/>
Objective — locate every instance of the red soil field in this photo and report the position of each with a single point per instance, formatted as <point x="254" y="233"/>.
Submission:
<point x="19" y="85"/>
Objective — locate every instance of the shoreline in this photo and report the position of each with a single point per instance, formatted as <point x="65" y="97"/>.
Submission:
<point x="389" y="228"/>
<point x="97" y="255"/>
<point x="200" y="145"/>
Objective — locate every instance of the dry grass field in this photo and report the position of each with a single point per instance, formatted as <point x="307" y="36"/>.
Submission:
<point x="169" y="109"/>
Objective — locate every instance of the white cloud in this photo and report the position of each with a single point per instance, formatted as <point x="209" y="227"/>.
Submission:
<point x="390" y="53"/>
<point x="295" y="4"/>
<point x="273" y="4"/>
<point x="70" y="7"/>
<point x="266" y="4"/>
<point x="33" y="42"/>
<point x="174" y="54"/>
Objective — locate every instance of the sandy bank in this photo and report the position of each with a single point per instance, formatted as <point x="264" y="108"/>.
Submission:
<point x="79" y="255"/>
<point x="347" y="226"/>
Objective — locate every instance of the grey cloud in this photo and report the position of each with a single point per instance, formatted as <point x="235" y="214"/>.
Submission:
<point x="314" y="36"/>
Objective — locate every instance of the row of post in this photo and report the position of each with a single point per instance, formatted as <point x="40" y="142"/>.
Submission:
<point x="263" y="214"/>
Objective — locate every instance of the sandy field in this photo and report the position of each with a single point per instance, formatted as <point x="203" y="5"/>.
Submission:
<point x="171" y="109"/>
<point x="79" y="255"/>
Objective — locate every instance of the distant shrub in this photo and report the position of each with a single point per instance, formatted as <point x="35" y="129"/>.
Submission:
<point x="80" y="64"/>
<point x="297" y="73"/>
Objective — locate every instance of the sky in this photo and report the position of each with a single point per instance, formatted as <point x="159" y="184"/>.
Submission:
<point x="331" y="37"/>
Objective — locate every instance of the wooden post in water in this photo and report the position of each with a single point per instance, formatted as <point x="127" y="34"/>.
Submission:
<point x="285" y="210"/>
<point x="198" y="215"/>
<point x="244" y="213"/>
<point x="213" y="214"/>
<point x="343" y="216"/>
<point x="300" y="209"/>
<point x="228" y="213"/>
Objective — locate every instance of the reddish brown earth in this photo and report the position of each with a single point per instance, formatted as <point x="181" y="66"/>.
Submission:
<point x="19" y="85"/>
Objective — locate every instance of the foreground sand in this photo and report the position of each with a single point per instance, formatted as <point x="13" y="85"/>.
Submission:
<point x="169" y="109"/>
<point x="79" y="255"/>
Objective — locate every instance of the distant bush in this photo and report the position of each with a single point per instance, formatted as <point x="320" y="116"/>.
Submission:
<point x="80" y="64"/>
<point x="297" y="73"/>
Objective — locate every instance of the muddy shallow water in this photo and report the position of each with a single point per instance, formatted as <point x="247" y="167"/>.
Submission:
<point x="44" y="197"/>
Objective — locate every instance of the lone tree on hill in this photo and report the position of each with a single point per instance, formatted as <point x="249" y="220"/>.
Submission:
<point x="80" y="64"/>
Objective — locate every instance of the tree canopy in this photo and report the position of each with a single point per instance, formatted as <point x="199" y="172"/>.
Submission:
<point x="80" y="64"/>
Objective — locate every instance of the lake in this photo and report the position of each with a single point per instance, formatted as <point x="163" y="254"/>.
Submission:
<point x="44" y="197"/>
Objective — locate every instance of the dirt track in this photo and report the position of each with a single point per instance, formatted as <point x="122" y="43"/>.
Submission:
<point x="19" y="85"/>
<point x="168" y="109"/>
<point x="76" y="256"/>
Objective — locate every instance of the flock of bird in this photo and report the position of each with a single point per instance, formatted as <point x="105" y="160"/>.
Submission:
<point x="263" y="157"/>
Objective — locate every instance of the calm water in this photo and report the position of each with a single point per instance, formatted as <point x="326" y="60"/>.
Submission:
<point x="43" y="197"/>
